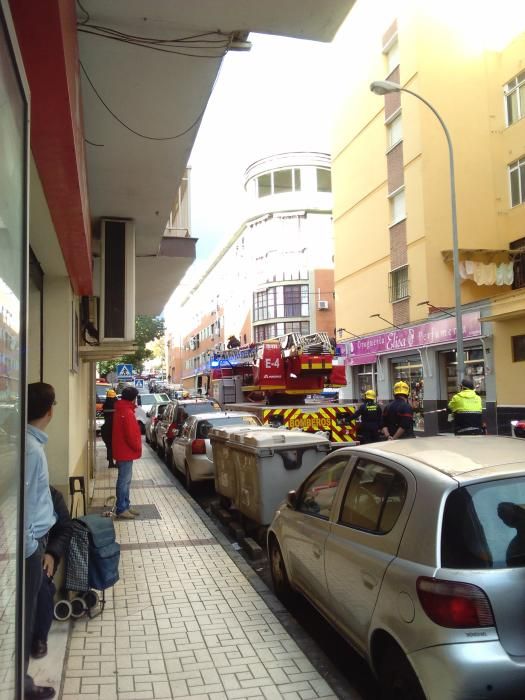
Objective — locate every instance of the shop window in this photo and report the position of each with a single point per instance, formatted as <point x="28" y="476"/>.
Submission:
<point x="474" y="368"/>
<point x="398" y="284"/>
<point x="515" y="98"/>
<point x="517" y="182"/>
<point x="411" y="372"/>
<point x="366" y="378"/>
<point x="324" y="180"/>
<point x="518" y="348"/>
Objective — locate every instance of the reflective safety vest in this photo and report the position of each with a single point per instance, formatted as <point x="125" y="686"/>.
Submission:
<point x="467" y="408"/>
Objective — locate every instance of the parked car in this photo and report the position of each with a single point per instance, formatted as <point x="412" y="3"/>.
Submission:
<point x="144" y="402"/>
<point x="518" y="428"/>
<point x="191" y="452"/>
<point x="415" y="551"/>
<point x="152" y="416"/>
<point x="174" y="416"/>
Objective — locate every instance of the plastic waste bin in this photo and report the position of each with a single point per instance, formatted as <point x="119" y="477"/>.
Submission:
<point x="268" y="463"/>
<point x="224" y="460"/>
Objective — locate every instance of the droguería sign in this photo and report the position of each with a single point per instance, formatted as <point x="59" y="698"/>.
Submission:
<point x="365" y="350"/>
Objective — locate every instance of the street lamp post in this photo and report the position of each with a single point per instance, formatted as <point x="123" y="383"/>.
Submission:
<point x="382" y="87"/>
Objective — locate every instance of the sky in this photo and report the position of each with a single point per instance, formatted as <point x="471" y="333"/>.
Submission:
<point x="271" y="99"/>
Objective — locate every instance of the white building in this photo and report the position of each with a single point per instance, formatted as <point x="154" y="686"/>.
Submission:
<point x="275" y="274"/>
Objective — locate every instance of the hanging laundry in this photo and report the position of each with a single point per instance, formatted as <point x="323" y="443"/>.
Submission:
<point x="463" y="270"/>
<point x="508" y="275"/>
<point x="500" y="274"/>
<point x="477" y="273"/>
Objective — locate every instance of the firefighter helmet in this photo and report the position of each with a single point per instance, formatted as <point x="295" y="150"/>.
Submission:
<point x="401" y="388"/>
<point x="370" y="394"/>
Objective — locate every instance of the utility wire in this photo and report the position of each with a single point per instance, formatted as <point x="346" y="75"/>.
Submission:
<point x="137" y="133"/>
<point x="153" y="47"/>
<point x="88" y="17"/>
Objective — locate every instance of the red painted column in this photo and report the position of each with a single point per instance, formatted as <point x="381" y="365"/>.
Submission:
<point x="47" y="36"/>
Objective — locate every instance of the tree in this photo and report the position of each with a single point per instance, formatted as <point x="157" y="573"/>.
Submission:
<point x="147" y="328"/>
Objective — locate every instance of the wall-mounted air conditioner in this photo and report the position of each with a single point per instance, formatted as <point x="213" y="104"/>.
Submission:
<point x="322" y="305"/>
<point x="117" y="280"/>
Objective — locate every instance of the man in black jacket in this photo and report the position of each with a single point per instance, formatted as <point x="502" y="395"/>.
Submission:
<point x="56" y="549"/>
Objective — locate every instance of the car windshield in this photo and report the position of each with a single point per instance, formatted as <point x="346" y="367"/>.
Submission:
<point x="484" y="526"/>
<point x="163" y="397"/>
<point x="190" y="409"/>
<point x="147" y="399"/>
<point x="204" y="426"/>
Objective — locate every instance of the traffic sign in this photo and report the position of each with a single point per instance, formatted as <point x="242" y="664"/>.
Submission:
<point x="125" y="373"/>
<point x="139" y="384"/>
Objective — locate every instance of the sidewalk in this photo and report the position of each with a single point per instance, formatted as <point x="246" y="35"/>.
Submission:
<point x="185" y="620"/>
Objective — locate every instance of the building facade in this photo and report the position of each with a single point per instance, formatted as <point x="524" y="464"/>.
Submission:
<point x="392" y="207"/>
<point x="275" y="275"/>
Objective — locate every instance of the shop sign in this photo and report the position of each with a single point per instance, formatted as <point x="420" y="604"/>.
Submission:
<point x="365" y="350"/>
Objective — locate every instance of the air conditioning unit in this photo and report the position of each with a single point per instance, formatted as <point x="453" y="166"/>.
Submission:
<point x="322" y="305"/>
<point x="117" y="280"/>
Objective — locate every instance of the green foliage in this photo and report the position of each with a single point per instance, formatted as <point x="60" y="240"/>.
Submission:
<point x="147" y="328"/>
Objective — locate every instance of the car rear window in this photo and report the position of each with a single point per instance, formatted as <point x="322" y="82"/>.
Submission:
<point x="190" y="409"/>
<point x="146" y="399"/>
<point x="204" y="426"/>
<point x="484" y="526"/>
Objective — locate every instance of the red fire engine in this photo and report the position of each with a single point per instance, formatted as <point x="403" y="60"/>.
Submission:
<point x="282" y="372"/>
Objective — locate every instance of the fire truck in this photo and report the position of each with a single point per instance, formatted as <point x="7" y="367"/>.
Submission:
<point x="274" y="378"/>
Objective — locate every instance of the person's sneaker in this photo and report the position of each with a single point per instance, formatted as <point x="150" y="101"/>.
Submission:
<point x="39" y="692"/>
<point x="134" y="512"/>
<point x="126" y="515"/>
<point x="38" y="649"/>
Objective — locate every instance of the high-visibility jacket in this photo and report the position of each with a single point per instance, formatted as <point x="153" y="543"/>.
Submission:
<point x="467" y="409"/>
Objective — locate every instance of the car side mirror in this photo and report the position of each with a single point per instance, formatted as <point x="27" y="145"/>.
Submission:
<point x="291" y="499"/>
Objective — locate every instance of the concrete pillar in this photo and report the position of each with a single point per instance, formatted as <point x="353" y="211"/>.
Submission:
<point x="57" y="362"/>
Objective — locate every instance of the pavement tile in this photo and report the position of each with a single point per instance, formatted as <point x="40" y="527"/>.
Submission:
<point x="183" y="621"/>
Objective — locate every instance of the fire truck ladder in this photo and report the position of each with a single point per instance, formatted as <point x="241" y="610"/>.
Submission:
<point x="312" y="344"/>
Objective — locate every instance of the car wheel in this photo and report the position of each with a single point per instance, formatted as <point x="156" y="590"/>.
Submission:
<point x="148" y="441"/>
<point x="397" y="679"/>
<point x="160" y="450"/>
<point x="142" y="428"/>
<point x="281" y="584"/>
<point x="167" y="458"/>
<point x="188" y="481"/>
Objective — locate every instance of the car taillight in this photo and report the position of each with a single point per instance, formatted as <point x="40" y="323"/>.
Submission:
<point x="198" y="447"/>
<point x="452" y="604"/>
<point x="171" y="430"/>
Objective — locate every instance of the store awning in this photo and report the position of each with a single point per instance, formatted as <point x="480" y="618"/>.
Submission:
<point x="508" y="307"/>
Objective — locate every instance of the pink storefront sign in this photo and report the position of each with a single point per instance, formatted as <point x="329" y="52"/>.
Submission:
<point x="365" y="350"/>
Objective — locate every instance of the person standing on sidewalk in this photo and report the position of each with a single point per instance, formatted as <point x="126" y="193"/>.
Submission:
<point x="127" y="446"/>
<point x="371" y="415"/>
<point x="39" y="517"/>
<point x="466" y="408"/>
<point x="398" y="416"/>
<point x="106" y="432"/>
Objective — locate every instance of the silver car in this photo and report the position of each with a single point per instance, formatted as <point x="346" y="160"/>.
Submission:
<point x="415" y="551"/>
<point x="191" y="450"/>
<point x="152" y="416"/>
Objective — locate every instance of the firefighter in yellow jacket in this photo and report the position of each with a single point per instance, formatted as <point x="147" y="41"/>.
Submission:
<point x="467" y="410"/>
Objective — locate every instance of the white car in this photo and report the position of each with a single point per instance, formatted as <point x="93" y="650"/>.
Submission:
<point x="152" y="416"/>
<point x="191" y="450"/>
<point x="144" y="403"/>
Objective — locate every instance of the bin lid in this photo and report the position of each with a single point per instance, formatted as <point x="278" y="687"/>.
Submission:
<point x="224" y="432"/>
<point x="275" y="438"/>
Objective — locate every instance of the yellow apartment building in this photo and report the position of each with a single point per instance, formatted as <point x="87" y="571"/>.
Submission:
<point x="394" y="277"/>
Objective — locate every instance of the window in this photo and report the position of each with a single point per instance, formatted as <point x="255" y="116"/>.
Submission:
<point x="397" y="206"/>
<point x="518" y="348"/>
<point x="264" y="185"/>
<point x="398" y="284"/>
<point x="279" y="182"/>
<point x="394" y="131"/>
<point x="324" y="180"/>
<point x="374" y="498"/>
<point x="392" y="56"/>
<point x="282" y="181"/>
<point x="282" y="301"/>
<point x="274" y="330"/>
<point x="517" y="182"/>
<point x="515" y="98"/>
<point x="318" y="492"/>
<point x="482" y="526"/>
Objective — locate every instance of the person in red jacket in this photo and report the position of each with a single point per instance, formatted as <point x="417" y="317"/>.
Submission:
<point x="127" y="446"/>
